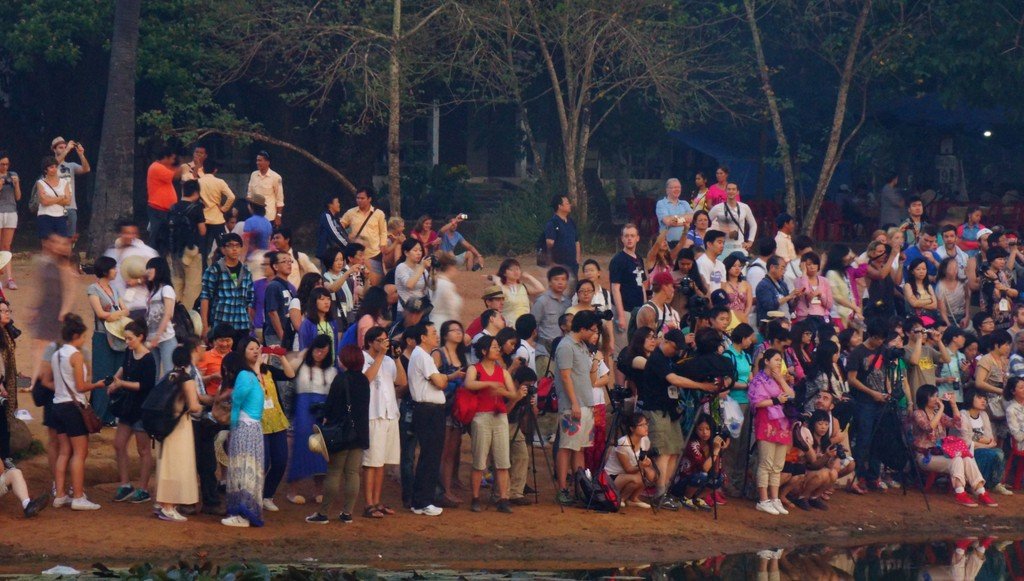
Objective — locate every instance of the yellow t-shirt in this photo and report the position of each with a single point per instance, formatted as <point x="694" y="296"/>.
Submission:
<point x="274" y="420"/>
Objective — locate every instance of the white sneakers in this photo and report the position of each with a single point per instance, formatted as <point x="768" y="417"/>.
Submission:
<point x="235" y="521"/>
<point x="61" y="501"/>
<point x="84" y="504"/>
<point x="268" y="504"/>
<point x="429" y="510"/>
<point x="767" y="506"/>
<point x="778" y="506"/>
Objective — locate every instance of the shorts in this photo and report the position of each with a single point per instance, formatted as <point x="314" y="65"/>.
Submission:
<point x="576" y="434"/>
<point x="47" y="225"/>
<point x="8" y="219"/>
<point x="460" y="259"/>
<point x="665" y="433"/>
<point x="385" y="446"/>
<point x="48" y="416"/>
<point x="489" y="433"/>
<point x="136" y="426"/>
<point x="68" y="420"/>
<point x="5" y="480"/>
<point x="794" y="469"/>
<point x="375" y="265"/>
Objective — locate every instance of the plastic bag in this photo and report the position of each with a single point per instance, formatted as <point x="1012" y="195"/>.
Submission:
<point x="732" y="416"/>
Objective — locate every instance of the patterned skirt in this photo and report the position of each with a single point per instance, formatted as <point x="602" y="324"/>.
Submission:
<point x="305" y="463"/>
<point x="245" y="473"/>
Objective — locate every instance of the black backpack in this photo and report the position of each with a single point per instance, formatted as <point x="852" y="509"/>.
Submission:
<point x="631" y="327"/>
<point x="179" y="231"/>
<point x="596" y="493"/>
<point x="182" y="323"/>
<point x="157" y="412"/>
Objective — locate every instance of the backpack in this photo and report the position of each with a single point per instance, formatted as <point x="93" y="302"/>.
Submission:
<point x="349" y="337"/>
<point x="631" y="328"/>
<point x="181" y="320"/>
<point x="547" y="396"/>
<point x="178" y="231"/>
<point x="157" y="411"/>
<point x="596" y="493"/>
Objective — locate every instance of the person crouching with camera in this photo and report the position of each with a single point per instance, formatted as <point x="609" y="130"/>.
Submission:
<point x="629" y="464"/>
<point x="489" y="431"/>
<point x="701" y="465"/>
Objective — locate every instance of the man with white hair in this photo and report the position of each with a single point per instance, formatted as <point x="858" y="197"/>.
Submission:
<point x="673" y="214"/>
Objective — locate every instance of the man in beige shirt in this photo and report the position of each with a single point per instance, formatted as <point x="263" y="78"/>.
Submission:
<point x="196" y="168"/>
<point x="784" y="237"/>
<point x="217" y="199"/>
<point x="267" y="183"/>
<point x="368" y="226"/>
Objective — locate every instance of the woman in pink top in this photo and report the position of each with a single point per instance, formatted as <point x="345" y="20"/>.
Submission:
<point x="716" y="193"/>
<point x="815" y="298"/>
<point x="767" y="392"/>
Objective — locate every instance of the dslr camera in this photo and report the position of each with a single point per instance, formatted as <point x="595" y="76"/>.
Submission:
<point x="605" y="315"/>
<point x="840" y="451"/>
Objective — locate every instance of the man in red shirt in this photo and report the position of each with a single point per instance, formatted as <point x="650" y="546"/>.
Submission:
<point x="160" y="194"/>
<point x="494" y="298"/>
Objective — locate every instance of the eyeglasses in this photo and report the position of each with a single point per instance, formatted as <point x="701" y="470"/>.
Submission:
<point x="381" y="340"/>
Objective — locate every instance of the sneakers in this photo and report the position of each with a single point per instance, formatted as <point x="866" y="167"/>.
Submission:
<point x="235" y="521"/>
<point x="767" y="506"/>
<point x="317" y="519"/>
<point x="701" y="504"/>
<point x="964" y="499"/>
<point x="61" y="501"/>
<point x="9" y="464"/>
<point x="504" y="506"/>
<point x="476" y="505"/>
<point x="429" y="510"/>
<point x="37" y="504"/>
<point x="1002" y="490"/>
<point x="124" y="492"/>
<point x="985" y="499"/>
<point x="84" y="504"/>
<point x="800" y="503"/>
<point x="268" y="504"/>
<point x="521" y="501"/>
<point x="171" y="515"/>
<point x="778" y="506"/>
<point x="346" y="518"/>
<point x="818" y="504"/>
<point x="140" y="496"/>
<point x="666" y="502"/>
<point x="564" y="498"/>
<point x="11" y="284"/>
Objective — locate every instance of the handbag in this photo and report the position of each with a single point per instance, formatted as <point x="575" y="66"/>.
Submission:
<point x="341" y="435"/>
<point x="42" y="396"/>
<point x="465" y="405"/>
<point x="93" y="423"/>
<point x="221" y="409"/>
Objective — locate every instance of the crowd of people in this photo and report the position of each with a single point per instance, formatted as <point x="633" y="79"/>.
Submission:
<point x="725" y="364"/>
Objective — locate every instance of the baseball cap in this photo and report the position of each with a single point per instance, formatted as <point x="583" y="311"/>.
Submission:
<point x="676" y="336"/>
<point x="57" y="140"/>
<point x="493" y="292"/>
<point x="417" y="305"/>
<point x="984" y="232"/>
<point x="228" y="238"/>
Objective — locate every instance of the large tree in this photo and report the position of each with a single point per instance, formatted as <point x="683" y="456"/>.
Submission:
<point x="115" y="162"/>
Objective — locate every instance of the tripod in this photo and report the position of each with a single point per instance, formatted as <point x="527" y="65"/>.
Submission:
<point x="614" y="431"/>
<point x="530" y="417"/>
<point x="889" y="412"/>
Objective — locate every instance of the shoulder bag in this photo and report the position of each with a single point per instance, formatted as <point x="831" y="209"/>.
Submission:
<point x="341" y="435"/>
<point x="93" y="423"/>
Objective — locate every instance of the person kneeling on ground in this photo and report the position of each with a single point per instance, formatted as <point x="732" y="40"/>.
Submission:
<point x="13" y="479"/>
<point x="937" y="452"/>
<point x="701" y="466"/>
<point x="811" y="467"/>
<point x="629" y="464"/>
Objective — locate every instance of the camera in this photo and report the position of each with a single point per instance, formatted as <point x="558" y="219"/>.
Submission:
<point x="840" y="451"/>
<point x="463" y="216"/>
<point x="652" y="454"/>
<point x="892" y="353"/>
<point x="686" y="286"/>
<point x="619" y="393"/>
<point x="604" y="315"/>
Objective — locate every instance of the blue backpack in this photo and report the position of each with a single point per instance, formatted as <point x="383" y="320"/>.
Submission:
<point x="349" y="337"/>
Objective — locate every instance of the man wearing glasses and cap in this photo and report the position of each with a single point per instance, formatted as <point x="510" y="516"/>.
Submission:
<point x="267" y="183"/>
<point x="67" y="170"/>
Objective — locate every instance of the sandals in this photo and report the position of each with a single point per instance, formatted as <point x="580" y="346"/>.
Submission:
<point x="297" y="499"/>
<point x="372" y="512"/>
<point x="385" y="509"/>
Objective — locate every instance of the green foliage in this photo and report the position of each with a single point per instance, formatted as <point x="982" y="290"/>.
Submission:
<point x="516" y="225"/>
<point x="206" y="571"/>
<point x="439" y="192"/>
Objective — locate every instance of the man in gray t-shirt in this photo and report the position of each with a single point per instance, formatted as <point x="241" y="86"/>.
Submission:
<point x="890" y="202"/>
<point x="549" y="307"/>
<point x="67" y="171"/>
<point x="575" y="372"/>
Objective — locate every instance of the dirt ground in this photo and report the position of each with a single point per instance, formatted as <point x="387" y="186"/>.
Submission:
<point x="534" y="537"/>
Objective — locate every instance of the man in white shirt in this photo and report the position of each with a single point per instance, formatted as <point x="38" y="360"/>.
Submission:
<point x="127" y="244"/>
<point x="68" y="171"/>
<point x="194" y="169"/>
<point x="268" y="183"/>
<point x="526" y="329"/>
<point x="784" y="237"/>
<point x="794" y="270"/>
<point x="735" y="219"/>
<point x="426" y="387"/>
<point x="950" y="247"/>
<point x="710" y="267"/>
<point x="386" y="377"/>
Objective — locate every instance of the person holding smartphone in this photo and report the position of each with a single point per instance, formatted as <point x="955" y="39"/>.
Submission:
<point x="934" y="452"/>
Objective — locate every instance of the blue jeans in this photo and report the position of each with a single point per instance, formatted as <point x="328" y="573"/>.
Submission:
<point x="162" y="353"/>
<point x="991" y="464"/>
<point x="866" y="416"/>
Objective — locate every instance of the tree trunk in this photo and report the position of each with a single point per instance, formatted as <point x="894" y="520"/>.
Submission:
<point x="785" y="157"/>
<point x="115" y="159"/>
<point x="836" y="146"/>
<point x="395" y="113"/>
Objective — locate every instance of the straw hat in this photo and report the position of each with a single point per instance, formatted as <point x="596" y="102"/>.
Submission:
<point x="220" y="447"/>
<point x="5" y="258"/>
<point x="317" y="445"/>
<point x="197" y="322"/>
<point x="116" y="328"/>
<point x="133" y="267"/>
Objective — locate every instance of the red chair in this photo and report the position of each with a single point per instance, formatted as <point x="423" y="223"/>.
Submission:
<point x="1016" y="458"/>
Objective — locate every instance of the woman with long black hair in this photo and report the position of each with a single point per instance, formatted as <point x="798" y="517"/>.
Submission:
<point x="312" y="383"/>
<point x="159" y="310"/>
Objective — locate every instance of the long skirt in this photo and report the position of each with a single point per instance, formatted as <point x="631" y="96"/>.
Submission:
<point x="105" y="362"/>
<point x="176" y="476"/>
<point x="305" y="463"/>
<point x="245" y="473"/>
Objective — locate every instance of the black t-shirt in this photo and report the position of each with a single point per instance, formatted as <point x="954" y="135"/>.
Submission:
<point x="278" y="294"/>
<point x="143" y="371"/>
<point x="870" y="368"/>
<point x="653" y="392"/>
<point x="629" y="272"/>
<point x="707" y="368"/>
<point x="194" y="212"/>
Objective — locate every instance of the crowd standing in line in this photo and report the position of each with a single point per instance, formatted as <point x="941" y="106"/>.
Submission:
<point x="721" y="365"/>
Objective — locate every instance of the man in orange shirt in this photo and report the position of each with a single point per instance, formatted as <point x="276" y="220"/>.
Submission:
<point x="160" y="194"/>
<point x="222" y="341"/>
